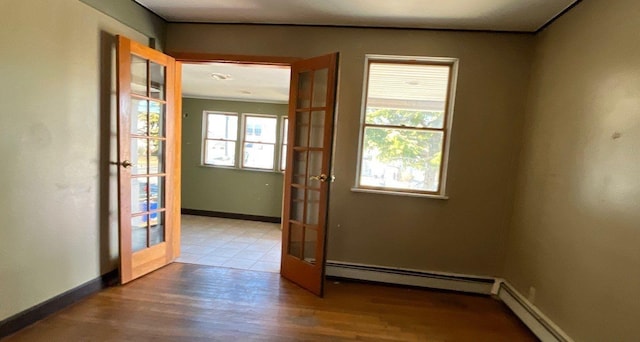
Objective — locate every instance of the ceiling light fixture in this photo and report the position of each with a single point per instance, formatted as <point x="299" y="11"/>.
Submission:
<point x="220" y="77"/>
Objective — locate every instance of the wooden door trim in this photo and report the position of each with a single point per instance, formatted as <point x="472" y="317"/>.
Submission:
<point x="124" y="102"/>
<point x="177" y="165"/>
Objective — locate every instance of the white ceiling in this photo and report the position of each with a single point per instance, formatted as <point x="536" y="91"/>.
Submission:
<point x="270" y="84"/>
<point x="245" y="82"/>
<point x="495" y="15"/>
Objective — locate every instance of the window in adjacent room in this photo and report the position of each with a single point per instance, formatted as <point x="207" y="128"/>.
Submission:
<point x="259" y="141"/>
<point x="406" y="124"/>
<point x="221" y="134"/>
<point x="283" y="150"/>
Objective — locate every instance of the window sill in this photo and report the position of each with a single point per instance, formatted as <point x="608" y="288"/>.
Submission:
<point x="399" y="193"/>
<point x="231" y="168"/>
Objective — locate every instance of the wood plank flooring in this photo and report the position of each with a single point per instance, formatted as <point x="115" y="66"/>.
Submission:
<point x="185" y="302"/>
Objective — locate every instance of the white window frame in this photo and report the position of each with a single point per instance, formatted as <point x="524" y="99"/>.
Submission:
<point x="283" y="147"/>
<point x="448" y="119"/>
<point x="243" y="140"/>
<point x="205" y="125"/>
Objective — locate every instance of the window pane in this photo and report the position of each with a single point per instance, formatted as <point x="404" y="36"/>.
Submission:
<point x="404" y="118"/>
<point x="285" y="137"/>
<point x="285" y="131"/>
<point x="258" y="155"/>
<point x="220" y="153"/>
<point x="260" y="129"/>
<point x="283" y="158"/>
<point x="401" y="159"/>
<point x="412" y="95"/>
<point x="221" y="126"/>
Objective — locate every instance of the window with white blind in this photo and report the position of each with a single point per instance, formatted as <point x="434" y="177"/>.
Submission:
<point x="406" y="124"/>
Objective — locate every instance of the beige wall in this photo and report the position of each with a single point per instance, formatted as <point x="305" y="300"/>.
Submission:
<point x="464" y="234"/>
<point x="576" y="226"/>
<point x="226" y="190"/>
<point x="57" y="203"/>
<point x="574" y="230"/>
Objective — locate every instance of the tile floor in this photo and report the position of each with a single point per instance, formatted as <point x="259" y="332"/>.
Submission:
<point x="239" y="244"/>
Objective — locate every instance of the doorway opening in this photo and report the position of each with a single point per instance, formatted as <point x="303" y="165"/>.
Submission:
<point x="234" y="139"/>
<point x="313" y="84"/>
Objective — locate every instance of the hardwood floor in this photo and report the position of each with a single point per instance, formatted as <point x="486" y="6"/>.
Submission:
<point x="185" y="302"/>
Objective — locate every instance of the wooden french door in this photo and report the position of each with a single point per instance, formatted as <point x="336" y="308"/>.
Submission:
<point x="307" y="177"/>
<point x="149" y="155"/>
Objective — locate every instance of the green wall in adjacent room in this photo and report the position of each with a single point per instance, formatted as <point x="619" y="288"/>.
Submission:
<point x="226" y="190"/>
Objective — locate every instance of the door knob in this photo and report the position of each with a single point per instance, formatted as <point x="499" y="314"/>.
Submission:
<point x="126" y="164"/>
<point x="323" y="178"/>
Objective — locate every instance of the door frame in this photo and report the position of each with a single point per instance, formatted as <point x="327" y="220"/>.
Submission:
<point x="196" y="58"/>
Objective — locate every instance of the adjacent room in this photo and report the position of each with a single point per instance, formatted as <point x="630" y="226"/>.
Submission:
<point x="401" y="171"/>
<point x="234" y="156"/>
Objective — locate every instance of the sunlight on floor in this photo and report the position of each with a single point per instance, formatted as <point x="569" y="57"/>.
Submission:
<point x="239" y="244"/>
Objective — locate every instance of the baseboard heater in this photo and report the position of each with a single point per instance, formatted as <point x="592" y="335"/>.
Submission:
<point x="533" y="318"/>
<point x="437" y="280"/>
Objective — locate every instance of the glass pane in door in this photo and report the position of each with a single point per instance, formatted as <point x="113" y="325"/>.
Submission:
<point x="302" y="129"/>
<point x="139" y="116"/>
<point x="316" y="135"/>
<point x="139" y="233"/>
<point x="138" y="156"/>
<point x="310" y="243"/>
<point x="156" y="193"/>
<point x="157" y="77"/>
<point x="156" y="119"/>
<point x="295" y="240"/>
<point x="138" y="75"/>
<point x="139" y="195"/>
<point x="156" y="156"/>
<point x="156" y="228"/>
<point x="313" y="207"/>
<point x="320" y="79"/>
<point x="315" y="168"/>
<point x="304" y="90"/>
<point x="299" y="168"/>
<point x="147" y="152"/>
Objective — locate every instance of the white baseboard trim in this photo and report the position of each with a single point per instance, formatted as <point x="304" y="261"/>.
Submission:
<point x="530" y="315"/>
<point x="436" y="280"/>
